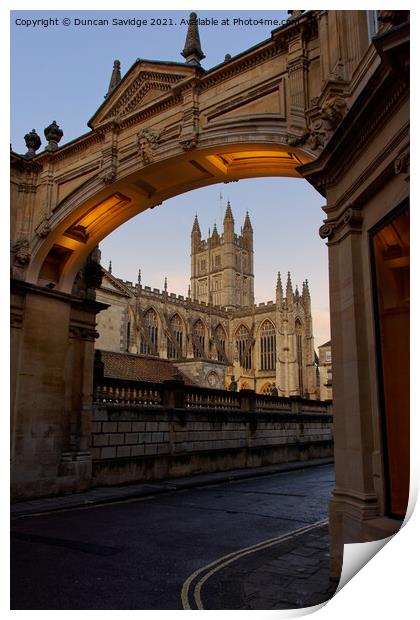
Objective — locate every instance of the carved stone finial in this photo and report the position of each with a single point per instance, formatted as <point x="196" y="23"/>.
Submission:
<point x="33" y="142"/>
<point x="227" y="57"/>
<point x="139" y="278"/>
<point x="165" y="285"/>
<point x="192" y="51"/>
<point x="189" y="291"/>
<point x="110" y="266"/>
<point x="294" y="14"/>
<point x="53" y="134"/>
<point x="115" y="77"/>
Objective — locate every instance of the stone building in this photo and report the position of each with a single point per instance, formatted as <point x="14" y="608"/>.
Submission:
<point x="216" y="332"/>
<point x="325" y="371"/>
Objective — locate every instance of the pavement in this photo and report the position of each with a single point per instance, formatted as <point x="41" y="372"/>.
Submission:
<point x="286" y="572"/>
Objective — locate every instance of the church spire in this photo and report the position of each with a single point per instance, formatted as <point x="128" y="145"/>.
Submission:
<point x="192" y="51"/>
<point x="115" y="78"/>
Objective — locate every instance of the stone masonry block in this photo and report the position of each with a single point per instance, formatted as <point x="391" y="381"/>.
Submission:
<point x="138" y="426"/>
<point x="100" y="440"/>
<point x="116" y="438"/>
<point x="109" y="453"/>
<point x="109" y="427"/>
<point x="151" y="426"/>
<point x="150" y="449"/>
<point x="137" y="450"/>
<point x="131" y="438"/>
<point x="124" y="427"/>
<point x="96" y="427"/>
<point x="123" y="451"/>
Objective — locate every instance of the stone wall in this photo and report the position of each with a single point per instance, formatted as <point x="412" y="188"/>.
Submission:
<point x="155" y="431"/>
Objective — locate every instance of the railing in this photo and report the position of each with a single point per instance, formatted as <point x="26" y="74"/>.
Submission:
<point x="123" y="392"/>
<point x="177" y="395"/>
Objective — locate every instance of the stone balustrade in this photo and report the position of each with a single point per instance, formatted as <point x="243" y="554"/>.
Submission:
<point x="148" y="431"/>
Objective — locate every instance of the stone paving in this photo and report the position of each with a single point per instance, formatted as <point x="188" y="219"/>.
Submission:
<point x="290" y="575"/>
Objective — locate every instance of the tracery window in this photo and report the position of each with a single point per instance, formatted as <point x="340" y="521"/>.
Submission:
<point x="149" y="346"/>
<point x="241" y="341"/>
<point x="199" y="339"/>
<point x="177" y="334"/>
<point x="299" y="357"/>
<point x="221" y="337"/>
<point x="268" y="346"/>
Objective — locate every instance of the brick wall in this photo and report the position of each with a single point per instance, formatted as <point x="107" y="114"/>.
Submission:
<point x="167" y="430"/>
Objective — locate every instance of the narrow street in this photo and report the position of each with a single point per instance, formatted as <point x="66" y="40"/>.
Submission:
<point x="138" y="554"/>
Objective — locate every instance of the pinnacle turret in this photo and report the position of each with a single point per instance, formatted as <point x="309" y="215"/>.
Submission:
<point x="110" y="267"/>
<point x="192" y="51"/>
<point x="247" y="223"/>
<point x="289" y="289"/>
<point x="228" y="214"/>
<point x="279" y="290"/>
<point x="115" y="77"/>
<point x="196" y="226"/>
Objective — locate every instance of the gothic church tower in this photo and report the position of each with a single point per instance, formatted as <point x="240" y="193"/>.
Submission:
<point x="222" y="267"/>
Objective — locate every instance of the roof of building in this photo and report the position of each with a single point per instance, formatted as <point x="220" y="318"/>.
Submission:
<point x="139" y="368"/>
<point x="326" y="344"/>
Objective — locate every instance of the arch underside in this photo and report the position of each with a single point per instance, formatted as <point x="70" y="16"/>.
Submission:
<point x="94" y="210"/>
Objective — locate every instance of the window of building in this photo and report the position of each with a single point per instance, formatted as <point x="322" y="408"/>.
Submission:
<point x="149" y="346"/>
<point x="221" y="340"/>
<point x="328" y="357"/>
<point x="218" y="260"/>
<point x="299" y="356"/>
<point x="203" y="265"/>
<point x="202" y="287"/>
<point x="175" y="352"/>
<point x="244" y="352"/>
<point x="268" y="346"/>
<point x="198" y="339"/>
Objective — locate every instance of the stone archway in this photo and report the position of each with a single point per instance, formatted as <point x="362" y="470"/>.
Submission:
<point x="322" y="98"/>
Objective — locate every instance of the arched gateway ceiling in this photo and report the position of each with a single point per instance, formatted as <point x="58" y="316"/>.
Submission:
<point x="166" y="128"/>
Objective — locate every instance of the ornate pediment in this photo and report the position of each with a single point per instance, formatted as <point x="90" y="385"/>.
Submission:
<point x="144" y="83"/>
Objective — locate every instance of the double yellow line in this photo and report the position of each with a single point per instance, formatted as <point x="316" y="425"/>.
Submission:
<point x="191" y="589"/>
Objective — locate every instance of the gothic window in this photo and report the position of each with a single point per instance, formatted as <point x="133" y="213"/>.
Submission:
<point x="198" y="339"/>
<point x="268" y="346"/>
<point x="299" y="357"/>
<point x="218" y="261"/>
<point x="128" y="335"/>
<point x="149" y="346"/>
<point x="221" y="338"/>
<point x="266" y="389"/>
<point x="176" y="332"/>
<point x="203" y="265"/>
<point x="241" y="339"/>
<point x="202" y="286"/>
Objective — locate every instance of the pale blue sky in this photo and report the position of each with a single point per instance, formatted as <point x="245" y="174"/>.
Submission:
<point x="62" y="73"/>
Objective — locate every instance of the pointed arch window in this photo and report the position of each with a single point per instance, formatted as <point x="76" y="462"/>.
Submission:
<point x="243" y="347"/>
<point x="268" y="346"/>
<point x="149" y="340"/>
<point x="299" y="355"/>
<point x="221" y="343"/>
<point x="199" y="339"/>
<point x="174" y="349"/>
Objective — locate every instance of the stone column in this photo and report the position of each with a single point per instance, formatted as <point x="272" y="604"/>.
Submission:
<point x="52" y="391"/>
<point x="354" y="499"/>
